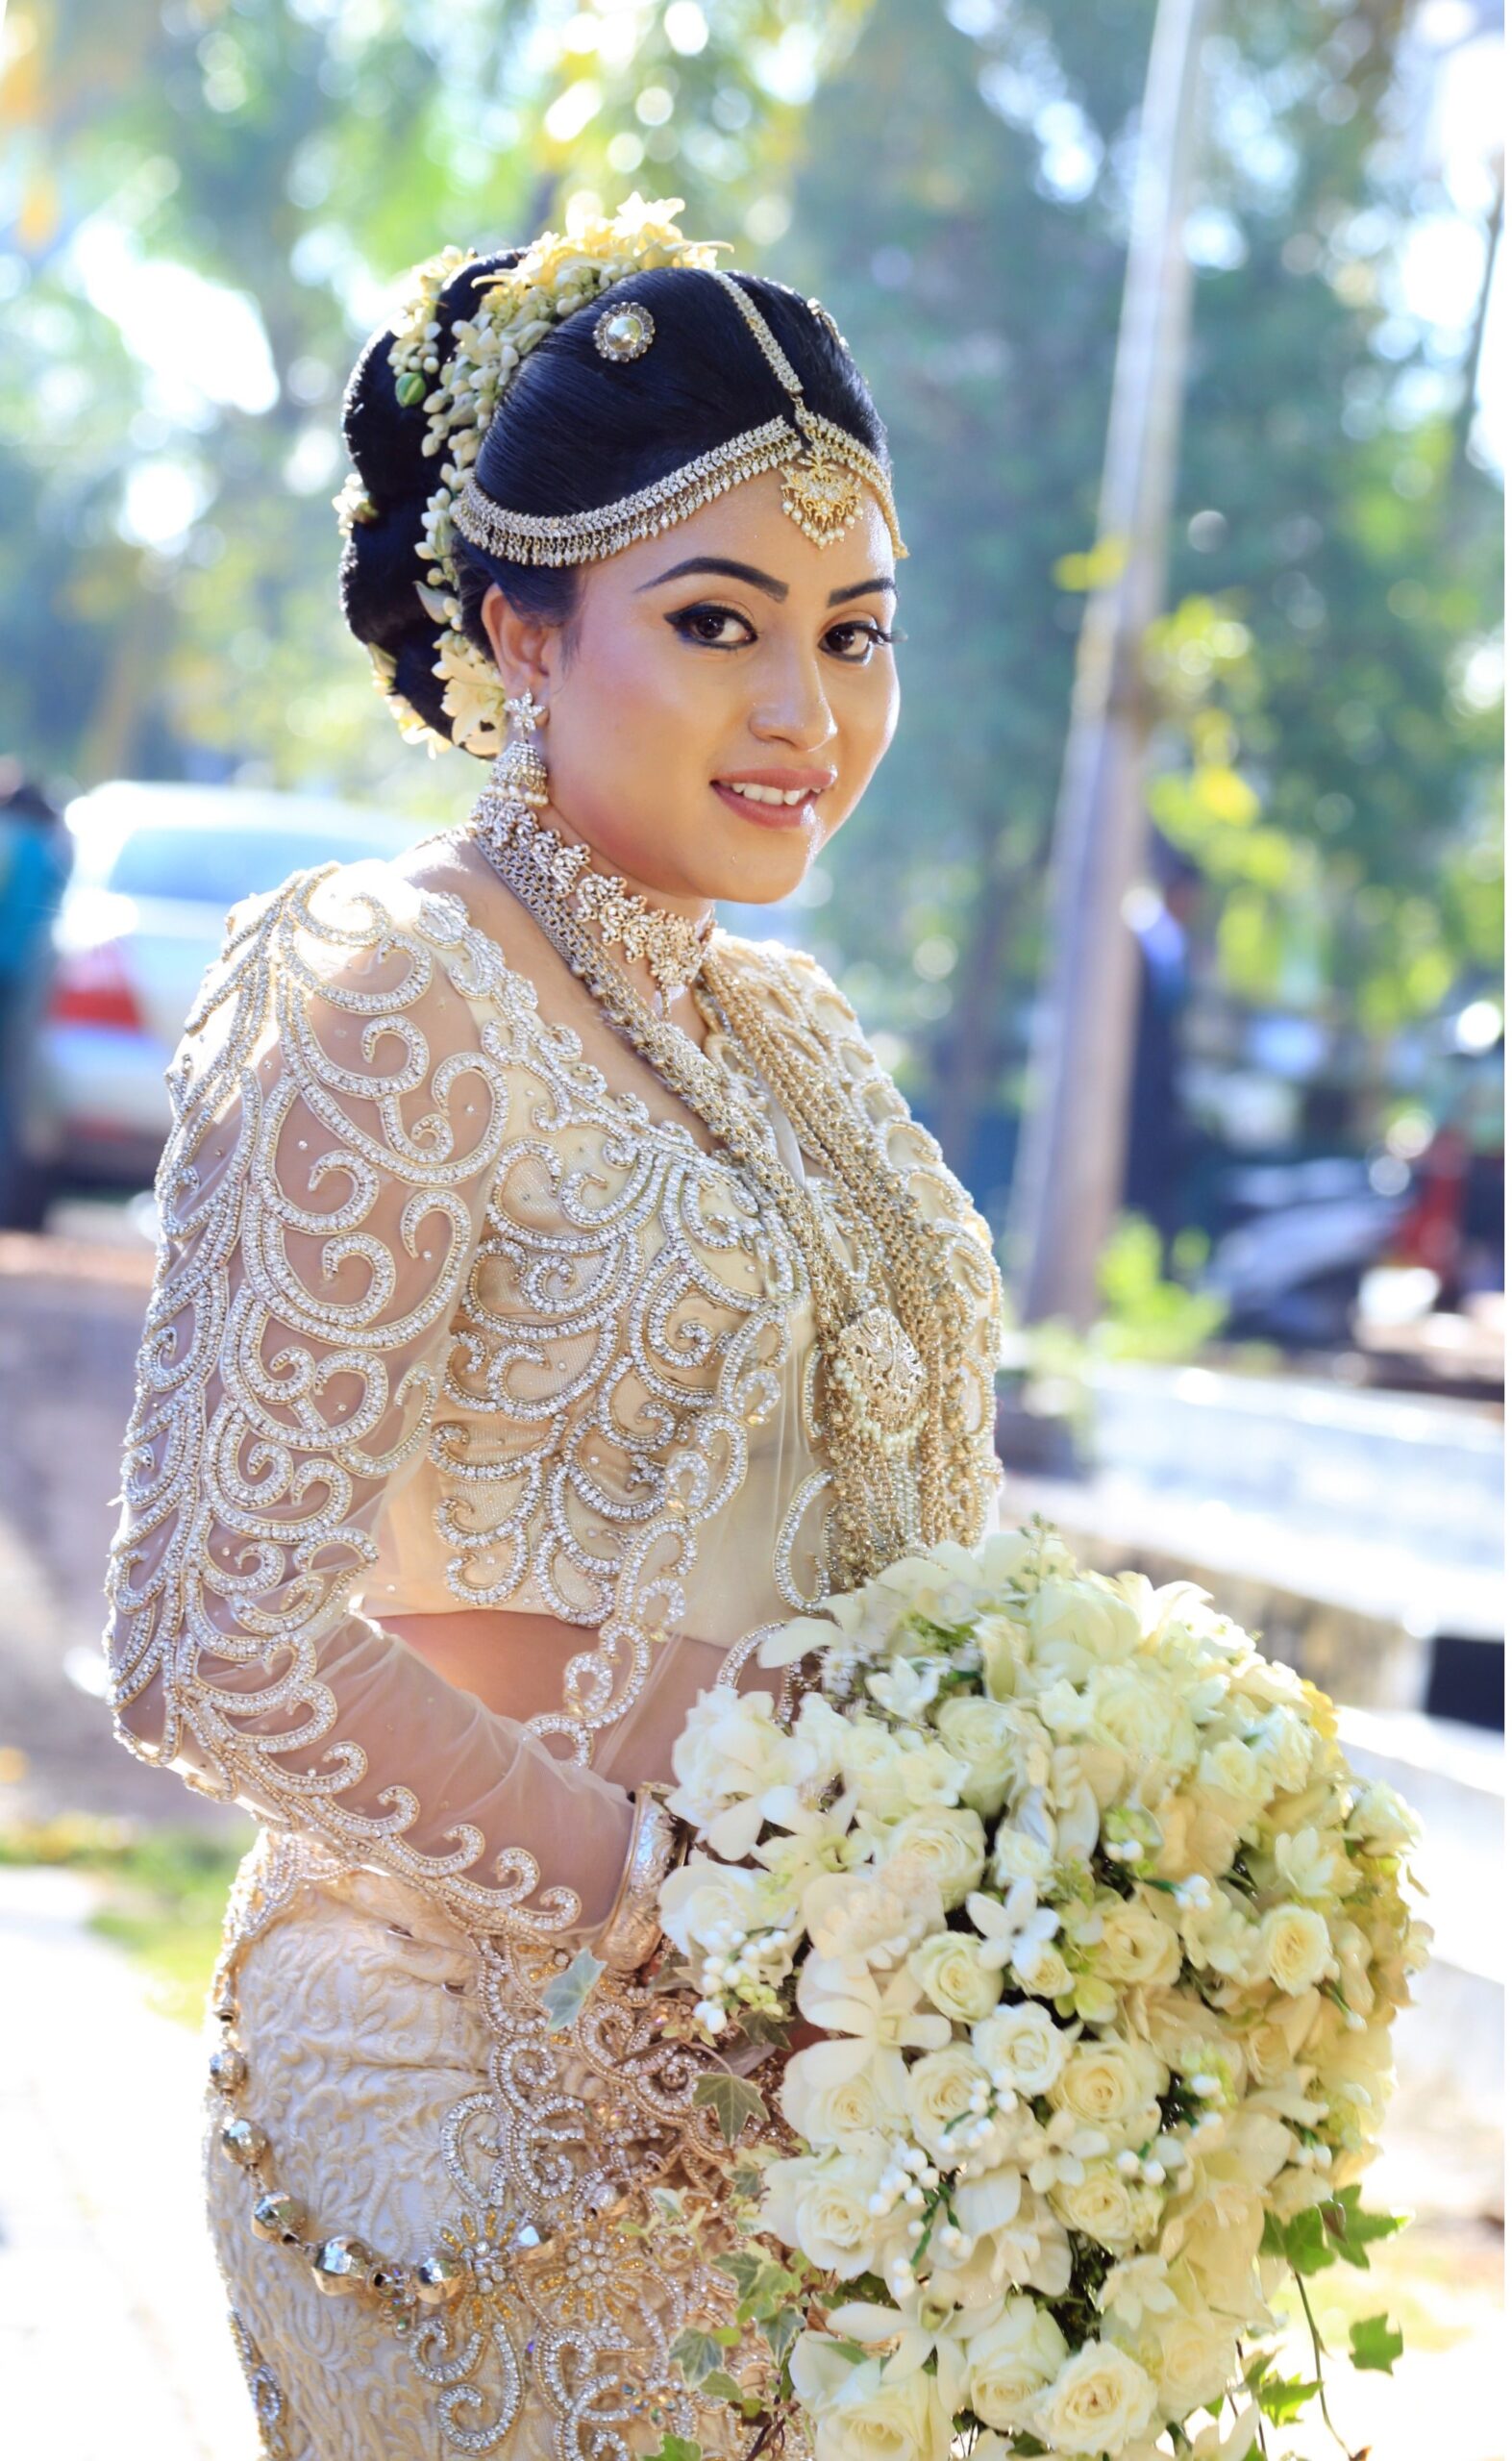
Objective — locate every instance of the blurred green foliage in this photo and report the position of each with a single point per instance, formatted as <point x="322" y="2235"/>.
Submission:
<point x="955" y="183"/>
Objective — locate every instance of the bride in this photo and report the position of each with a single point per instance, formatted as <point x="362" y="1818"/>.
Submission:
<point x="554" y="1295"/>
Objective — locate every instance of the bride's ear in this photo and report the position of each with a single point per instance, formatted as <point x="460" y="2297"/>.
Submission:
<point x="525" y="649"/>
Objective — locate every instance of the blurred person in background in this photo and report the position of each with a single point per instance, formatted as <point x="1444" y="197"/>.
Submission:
<point x="1161" y="915"/>
<point x="553" y="1293"/>
<point x="33" y="872"/>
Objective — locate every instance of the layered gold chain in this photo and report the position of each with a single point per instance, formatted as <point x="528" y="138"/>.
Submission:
<point x="886" y="1400"/>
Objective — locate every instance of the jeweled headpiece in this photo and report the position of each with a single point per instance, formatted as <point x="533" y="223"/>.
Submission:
<point x="825" y="468"/>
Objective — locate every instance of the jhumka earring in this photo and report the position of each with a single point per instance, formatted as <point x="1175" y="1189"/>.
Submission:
<point x="519" y="773"/>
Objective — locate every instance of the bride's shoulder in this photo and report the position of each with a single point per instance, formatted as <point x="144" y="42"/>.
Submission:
<point x="432" y="899"/>
<point x="793" y="980"/>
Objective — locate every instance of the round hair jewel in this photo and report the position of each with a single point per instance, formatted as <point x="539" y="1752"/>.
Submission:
<point x="625" y="332"/>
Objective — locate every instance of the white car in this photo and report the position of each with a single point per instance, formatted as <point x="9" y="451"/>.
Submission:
<point x="156" y="868"/>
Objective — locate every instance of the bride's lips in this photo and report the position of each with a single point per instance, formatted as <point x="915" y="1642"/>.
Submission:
<point x="808" y="783"/>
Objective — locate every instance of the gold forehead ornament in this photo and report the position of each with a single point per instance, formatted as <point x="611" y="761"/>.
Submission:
<point x="825" y="469"/>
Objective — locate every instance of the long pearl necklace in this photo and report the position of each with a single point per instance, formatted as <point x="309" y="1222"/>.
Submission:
<point x="886" y="1389"/>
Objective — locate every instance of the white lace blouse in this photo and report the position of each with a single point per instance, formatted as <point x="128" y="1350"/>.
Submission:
<point x="456" y="1307"/>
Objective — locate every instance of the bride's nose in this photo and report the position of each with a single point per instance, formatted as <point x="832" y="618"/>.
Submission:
<point x="794" y="707"/>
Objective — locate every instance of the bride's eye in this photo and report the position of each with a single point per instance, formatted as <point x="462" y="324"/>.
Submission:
<point x="711" y="626"/>
<point x="854" y="640"/>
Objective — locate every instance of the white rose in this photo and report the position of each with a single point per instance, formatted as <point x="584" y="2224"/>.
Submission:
<point x="1026" y="2042"/>
<point x="857" y="2417"/>
<point x="1043" y="1971"/>
<point x="830" y="2109"/>
<point x="985" y="1734"/>
<point x="951" y="1972"/>
<point x="1140" y="1944"/>
<point x="818" y="2203"/>
<point x="1016" y="1856"/>
<point x="1295" y="1946"/>
<point x="703" y="1897"/>
<point x="939" y="2091"/>
<point x="1013" y="2360"/>
<point x="1108" y="2084"/>
<point x="1106" y="2208"/>
<point x="1287" y="1745"/>
<point x="1194" y="2357"/>
<point x="1083" y="1618"/>
<point x="1101" y="2400"/>
<point x="951" y="1844"/>
<point x="1135" y="1707"/>
<point x="1232" y="1773"/>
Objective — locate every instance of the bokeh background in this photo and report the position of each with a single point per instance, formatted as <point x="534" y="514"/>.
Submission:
<point x="1272" y="1359"/>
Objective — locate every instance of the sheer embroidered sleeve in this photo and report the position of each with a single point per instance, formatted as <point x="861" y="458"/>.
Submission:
<point x="341" y="1099"/>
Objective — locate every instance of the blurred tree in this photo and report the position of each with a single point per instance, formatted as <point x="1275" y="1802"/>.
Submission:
<point x="1339" y="788"/>
<point x="201" y="202"/>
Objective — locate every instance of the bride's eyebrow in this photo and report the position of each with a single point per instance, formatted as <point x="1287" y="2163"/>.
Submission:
<point x="862" y="588"/>
<point x="725" y="566"/>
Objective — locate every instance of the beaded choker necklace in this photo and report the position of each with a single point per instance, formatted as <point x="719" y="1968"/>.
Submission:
<point x="672" y="946"/>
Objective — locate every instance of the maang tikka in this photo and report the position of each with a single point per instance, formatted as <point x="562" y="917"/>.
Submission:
<point x="536" y="861"/>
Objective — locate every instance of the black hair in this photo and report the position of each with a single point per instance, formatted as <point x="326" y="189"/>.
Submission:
<point x="573" y="432"/>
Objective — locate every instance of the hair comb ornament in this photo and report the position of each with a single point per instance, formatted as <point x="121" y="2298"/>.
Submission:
<point x="625" y="332"/>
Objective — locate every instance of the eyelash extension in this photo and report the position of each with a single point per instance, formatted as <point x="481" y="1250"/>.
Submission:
<point x="683" y="620"/>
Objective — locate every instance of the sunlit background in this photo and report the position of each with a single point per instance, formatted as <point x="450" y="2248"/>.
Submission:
<point x="1282" y="1378"/>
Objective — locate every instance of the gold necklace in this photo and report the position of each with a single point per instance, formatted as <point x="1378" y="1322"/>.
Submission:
<point x="886" y="1388"/>
<point x="671" y="945"/>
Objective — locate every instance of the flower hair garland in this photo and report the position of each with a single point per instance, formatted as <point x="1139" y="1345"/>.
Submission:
<point x="516" y="308"/>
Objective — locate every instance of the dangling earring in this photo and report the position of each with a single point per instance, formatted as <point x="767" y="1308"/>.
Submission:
<point x="519" y="772"/>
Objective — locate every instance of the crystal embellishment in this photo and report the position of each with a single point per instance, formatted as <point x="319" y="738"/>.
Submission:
<point x="625" y="332"/>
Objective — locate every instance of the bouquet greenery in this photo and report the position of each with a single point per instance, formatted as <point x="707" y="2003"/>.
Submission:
<point x="1104" y="1941"/>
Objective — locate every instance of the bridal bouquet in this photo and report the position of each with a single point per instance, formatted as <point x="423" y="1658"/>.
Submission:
<point x="1105" y="1941"/>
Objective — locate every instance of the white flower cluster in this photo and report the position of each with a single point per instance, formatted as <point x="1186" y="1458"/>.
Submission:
<point x="1105" y="1941"/>
<point x="557" y="275"/>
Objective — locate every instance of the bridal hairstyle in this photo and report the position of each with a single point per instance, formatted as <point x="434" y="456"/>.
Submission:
<point x="569" y="434"/>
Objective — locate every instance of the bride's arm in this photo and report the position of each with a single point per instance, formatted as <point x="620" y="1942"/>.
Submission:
<point x="341" y="1116"/>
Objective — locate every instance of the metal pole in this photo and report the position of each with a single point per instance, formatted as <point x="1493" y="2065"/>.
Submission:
<point x="1072" y="1154"/>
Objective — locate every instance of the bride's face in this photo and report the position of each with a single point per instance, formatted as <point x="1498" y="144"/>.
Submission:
<point x="730" y="652"/>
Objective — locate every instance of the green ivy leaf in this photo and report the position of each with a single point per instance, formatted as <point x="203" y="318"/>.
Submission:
<point x="780" y="2331"/>
<point x="565" y="1995"/>
<point x="744" y="2268"/>
<point x="1374" y="2344"/>
<point x="1351" y="2229"/>
<point x="1303" y="2241"/>
<point x="696" y="2355"/>
<point x="677" y="2447"/>
<point x="733" y="2100"/>
<point x="1285" y="2398"/>
<point x="719" y="2387"/>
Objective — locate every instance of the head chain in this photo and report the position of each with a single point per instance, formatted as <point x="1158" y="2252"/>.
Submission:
<point x="517" y="306"/>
